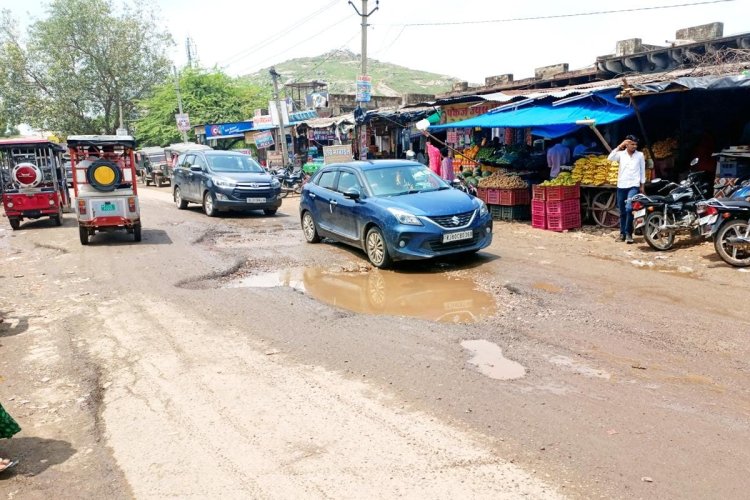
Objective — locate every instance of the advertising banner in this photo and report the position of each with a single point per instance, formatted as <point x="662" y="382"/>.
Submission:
<point x="263" y="140"/>
<point x="459" y="112"/>
<point x="183" y="122"/>
<point x="364" y="88"/>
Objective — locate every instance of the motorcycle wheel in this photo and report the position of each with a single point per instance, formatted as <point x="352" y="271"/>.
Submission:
<point x="657" y="239"/>
<point x="734" y="255"/>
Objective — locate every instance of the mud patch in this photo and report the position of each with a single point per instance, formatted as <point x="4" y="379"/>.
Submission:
<point x="442" y="297"/>
<point x="546" y="287"/>
<point x="489" y="360"/>
<point x="49" y="246"/>
<point x="579" y="368"/>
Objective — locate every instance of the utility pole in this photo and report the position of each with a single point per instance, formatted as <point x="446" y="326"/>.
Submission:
<point x="282" y="128"/>
<point x="364" y="15"/>
<point x="179" y="100"/>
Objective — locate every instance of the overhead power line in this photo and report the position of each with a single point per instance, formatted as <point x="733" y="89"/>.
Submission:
<point x="241" y="54"/>
<point x="557" y="16"/>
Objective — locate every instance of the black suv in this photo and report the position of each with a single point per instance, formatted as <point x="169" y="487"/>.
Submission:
<point x="224" y="180"/>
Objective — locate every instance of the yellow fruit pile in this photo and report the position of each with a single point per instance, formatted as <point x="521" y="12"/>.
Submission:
<point x="664" y="149"/>
<point x="564" y="179"/>
<point x="471" y="152"/>
<point x="595" y="170"/>
<point x="503" y="181"/>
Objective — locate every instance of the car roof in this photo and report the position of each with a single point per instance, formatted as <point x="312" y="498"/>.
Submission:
<point x="376" y="164"/>
<point x="223" y="152"/>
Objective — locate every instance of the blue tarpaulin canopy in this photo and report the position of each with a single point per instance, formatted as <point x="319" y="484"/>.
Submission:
<point x="551" y="121"/>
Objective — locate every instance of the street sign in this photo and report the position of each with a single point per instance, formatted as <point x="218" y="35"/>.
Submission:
<point x="263" y="140"/>
<point x="122" y="131"/>
<point x="364" y="88"/>
<point x="183" y="122"/>
<point x="337" y="154"/>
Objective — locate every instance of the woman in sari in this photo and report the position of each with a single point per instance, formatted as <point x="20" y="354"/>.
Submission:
<point x="8" y="427"/>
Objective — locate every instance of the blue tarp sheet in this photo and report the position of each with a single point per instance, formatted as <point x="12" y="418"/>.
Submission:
<point x="552" y="121"/>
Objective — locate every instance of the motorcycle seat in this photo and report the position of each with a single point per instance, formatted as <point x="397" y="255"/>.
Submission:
<point x="736" y="203"/>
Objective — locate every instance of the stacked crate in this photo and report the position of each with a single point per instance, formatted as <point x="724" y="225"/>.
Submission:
<point x="556" y="208"/>
<point x="507" y="204"/>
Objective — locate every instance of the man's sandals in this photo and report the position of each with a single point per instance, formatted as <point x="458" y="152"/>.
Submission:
<point x="7" y="463"/>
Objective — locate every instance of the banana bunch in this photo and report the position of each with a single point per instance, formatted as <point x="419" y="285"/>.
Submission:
<point x="564" y="179"/>
<point x="471" y="152"/>
<point x="503" y="181"/>
<point x="595" y="170"/>
<point x="664" y="149"/>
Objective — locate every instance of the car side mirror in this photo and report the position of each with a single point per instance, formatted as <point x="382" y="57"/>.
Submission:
<point x="352" y="194"/>
<point x="196" y="168"/>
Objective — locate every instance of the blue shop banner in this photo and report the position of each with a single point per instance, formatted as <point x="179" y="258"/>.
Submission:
<point x="228" y="129"/>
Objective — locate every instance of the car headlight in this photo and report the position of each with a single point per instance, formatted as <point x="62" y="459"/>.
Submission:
<point x="483" y="208"/>
<point x="405" y="217"/>
<point x="275" y="183"/>
<point x="225" y="183"/>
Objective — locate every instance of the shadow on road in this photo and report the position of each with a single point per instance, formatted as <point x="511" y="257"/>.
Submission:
<point x="34" y="455"/>
<point x="8" y="329"/>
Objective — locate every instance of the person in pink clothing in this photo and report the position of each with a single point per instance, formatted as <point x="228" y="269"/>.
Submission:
<point x="446" y="167"/>
<point x="435" y="157"/>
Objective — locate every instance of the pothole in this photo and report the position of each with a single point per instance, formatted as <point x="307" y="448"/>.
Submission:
<point x="489" y="360"/>
<point x="442" y="297"/>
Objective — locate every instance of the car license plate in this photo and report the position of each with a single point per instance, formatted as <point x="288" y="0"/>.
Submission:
<point x="639" y="213"/>
<point x="108" y="207"/>
<point x="256" y="200"/>
<point x="460" y="235"/>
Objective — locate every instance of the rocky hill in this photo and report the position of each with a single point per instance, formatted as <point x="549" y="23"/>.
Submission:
<point x="340" y="69"/>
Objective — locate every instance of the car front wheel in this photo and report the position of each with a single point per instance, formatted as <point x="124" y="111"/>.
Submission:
<point x="376" y="248"/>
<point x="309" y="229"/>
<point x="181" y="204"/>
<point x="208" y="204"/>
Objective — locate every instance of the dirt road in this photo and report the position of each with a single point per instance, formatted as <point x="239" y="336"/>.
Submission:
<point x="227" y="357"/>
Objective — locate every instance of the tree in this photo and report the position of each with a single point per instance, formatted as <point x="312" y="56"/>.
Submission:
<point x="80" y="63"/>
<point x="208" y="96"/>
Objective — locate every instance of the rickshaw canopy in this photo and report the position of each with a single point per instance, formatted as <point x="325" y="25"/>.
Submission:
<point x="126" y="141"/>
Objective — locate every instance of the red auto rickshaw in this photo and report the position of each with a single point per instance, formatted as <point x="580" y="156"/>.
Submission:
<point x="104" y="181"/>
<point x="32" y="180"/>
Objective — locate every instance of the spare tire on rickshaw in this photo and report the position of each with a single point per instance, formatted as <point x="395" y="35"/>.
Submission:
<point x="104" y="175"/>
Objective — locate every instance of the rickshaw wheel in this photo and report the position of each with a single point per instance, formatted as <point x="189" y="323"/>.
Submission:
<point x="137" y="232"/>
<point x="58" y="219"/>
<point x="15" y="223"/>
<point x="83" y="233"/>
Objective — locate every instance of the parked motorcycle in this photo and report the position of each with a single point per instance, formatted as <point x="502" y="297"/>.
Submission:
<point x="460" y="183"/>
<point x="292" y="179"/>
<point x="728" y="222"/>
<point x="662" y="217"/>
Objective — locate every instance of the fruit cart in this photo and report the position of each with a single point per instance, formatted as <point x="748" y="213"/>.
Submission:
<point x="32" y="180"/>
<point x="599" y="203"/>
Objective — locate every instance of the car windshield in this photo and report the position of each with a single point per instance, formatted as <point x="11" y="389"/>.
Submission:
<point x="160" y="158"/>
<point x="403" y="179"/>
<point x="233" y="163"/>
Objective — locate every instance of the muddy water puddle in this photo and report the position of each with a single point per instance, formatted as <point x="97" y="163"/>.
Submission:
<point x="488" y="358"/>
<point x="432" y="296"/>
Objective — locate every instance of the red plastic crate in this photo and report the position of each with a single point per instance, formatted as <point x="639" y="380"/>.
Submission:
<point x="482" y="194"/>
<point x="538" y="207"/>
<point x="538" y="192"/>
<point x="511" y="197"/>
<point x="563" y="207"/>
<point x="493" y="196"/>
<point x="538" y="220"/>
<point x="559" y="193"/>
<point x="563" y="222"/>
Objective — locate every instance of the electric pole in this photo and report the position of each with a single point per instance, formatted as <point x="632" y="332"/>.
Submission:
<point x="364" y="15"/>
<point x="282" y="128"/>
<point x="179" y="100"/>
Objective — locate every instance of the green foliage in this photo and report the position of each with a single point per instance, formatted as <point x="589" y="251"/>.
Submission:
<point x="79" y="63"/>
<point x="208" y="96"/>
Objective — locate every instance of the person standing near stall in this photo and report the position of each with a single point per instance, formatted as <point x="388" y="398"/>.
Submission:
<point x="557" y="156"/>
<point x="631" y="178"/>
<point x="434" y="156"/>
<point x="446" y="166"/>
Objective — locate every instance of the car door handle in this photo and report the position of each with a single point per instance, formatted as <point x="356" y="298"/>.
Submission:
<point x="334" y="202"/>
<point x="313" y="195"/>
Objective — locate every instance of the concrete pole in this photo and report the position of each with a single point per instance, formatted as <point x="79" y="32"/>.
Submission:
<point x="179" y="100"/>
<point x="364" y="37"/>
<point x="282" y="128"/>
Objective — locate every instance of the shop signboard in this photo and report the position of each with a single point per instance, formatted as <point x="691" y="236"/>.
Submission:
<point x="263" y="140"/>
<point x="274" y="158"/>
<point x="458" y="112"/>
<point x="235" y="129"/>
<point x="364" y="88"/>
<point x="337" y="154"/>
<point x="183" y="122"/>
<point x="321" y="135"/>
<point x="262" y="121"/>
<point x="451" y="137"/>
<point x="274" y="111"/>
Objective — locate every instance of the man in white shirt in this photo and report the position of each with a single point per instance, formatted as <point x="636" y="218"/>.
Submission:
<point x="631" y="178"/>
<point x="557" y="156"/>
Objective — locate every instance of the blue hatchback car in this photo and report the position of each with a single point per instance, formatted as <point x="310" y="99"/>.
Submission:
<point x="393" y="210"/>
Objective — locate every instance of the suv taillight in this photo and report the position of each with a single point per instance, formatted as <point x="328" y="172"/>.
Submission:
<point x="82" y="207"/>
<point x="131" y="203"/>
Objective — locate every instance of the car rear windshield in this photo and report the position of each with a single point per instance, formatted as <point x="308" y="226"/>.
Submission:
<point x="233" y="163"/>
<point x="404" y="179"/>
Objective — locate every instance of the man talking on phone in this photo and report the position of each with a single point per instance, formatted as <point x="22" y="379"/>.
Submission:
<point x="631" y="178"/>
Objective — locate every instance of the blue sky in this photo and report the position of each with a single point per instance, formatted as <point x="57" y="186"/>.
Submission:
<point x="239" y="35"/>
